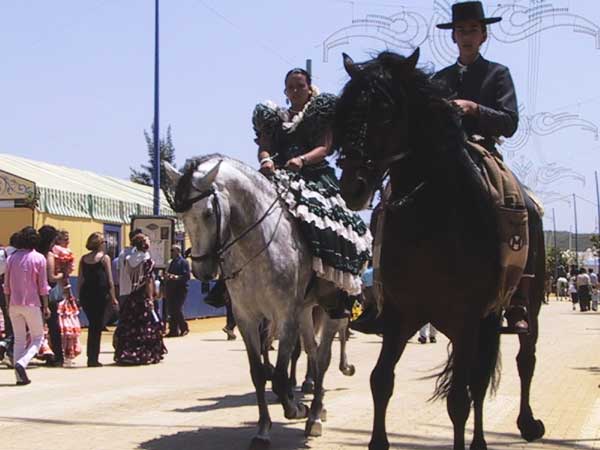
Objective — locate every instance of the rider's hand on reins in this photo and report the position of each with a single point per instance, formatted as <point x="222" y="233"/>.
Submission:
<point x="468" y="107"/>
<point x="267" y="168"/>
<point x="294" y="164"/>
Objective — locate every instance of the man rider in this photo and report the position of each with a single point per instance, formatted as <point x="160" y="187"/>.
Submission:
<point x="485" y="93"/>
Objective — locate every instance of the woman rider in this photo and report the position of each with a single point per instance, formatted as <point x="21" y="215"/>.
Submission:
<point x="297" y="140"/>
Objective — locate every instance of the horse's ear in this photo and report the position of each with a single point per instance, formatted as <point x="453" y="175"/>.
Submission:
<point x="173" y="174"/>
<point x="412" y="60"/>
<point x="207" y="180"/>
<point x="349" y="65"/>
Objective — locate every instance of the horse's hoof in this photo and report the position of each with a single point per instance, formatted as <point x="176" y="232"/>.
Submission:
<point x="314" y="428"/>
<point x="308" y="387"/>
<point x="300" y="412"/>
<point x="478" y="445"/>
<point x="259" y="443"/>
<point x="323" y="415"/>
<point x="377" y="444"/>
<point x="349" y="370"/>
<point x="532" y="430"/>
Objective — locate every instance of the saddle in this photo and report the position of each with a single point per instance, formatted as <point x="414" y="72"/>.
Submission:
<point x="508" y="196"/>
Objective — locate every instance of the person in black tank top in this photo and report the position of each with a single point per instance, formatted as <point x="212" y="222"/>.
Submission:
<point x="96" y="289"/>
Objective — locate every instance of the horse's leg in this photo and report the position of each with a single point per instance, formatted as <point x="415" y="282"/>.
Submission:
<point x="382" y="385"/>
<point x="317" y="317"/>
<point x="464" y="348"/>
<point x="266" y="339"/>
<point x="320" y="357"/>
<point x="250" y="334"/>
<point x="482" y="372"/>
<point x="281" y="380"/>
<point x="295" y="356"/>
<point x="345" y="368"/>
<point x="530" y="428"/>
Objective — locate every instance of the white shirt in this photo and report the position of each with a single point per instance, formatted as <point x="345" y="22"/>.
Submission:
<point x="124" y="279"/>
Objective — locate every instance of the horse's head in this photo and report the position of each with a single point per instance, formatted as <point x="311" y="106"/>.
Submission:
<point x="372" y="125"/>
<point x="204" y="208"/>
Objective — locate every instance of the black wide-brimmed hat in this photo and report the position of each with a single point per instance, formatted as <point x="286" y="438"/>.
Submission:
<point x="468" y="11"/>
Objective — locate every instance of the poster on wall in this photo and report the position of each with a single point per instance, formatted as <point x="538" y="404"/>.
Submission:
<point x="161" y="231"/>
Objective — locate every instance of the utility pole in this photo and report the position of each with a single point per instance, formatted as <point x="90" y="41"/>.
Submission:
<point x="156" y="136"/>
<point x="309" y="66"/>
<point x="598" y="206"/>
<point x="576" y="232"/>
<point x="556" y="252"/>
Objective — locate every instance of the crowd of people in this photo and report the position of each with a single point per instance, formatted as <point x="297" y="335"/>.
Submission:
<point x="40" y="311"/>
<point x="579" y="285"/>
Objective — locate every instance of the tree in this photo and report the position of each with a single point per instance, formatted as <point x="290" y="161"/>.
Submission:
<point x="596" y="244"/>
<point x="167" y="153"/>
<point x="555" y="258"/>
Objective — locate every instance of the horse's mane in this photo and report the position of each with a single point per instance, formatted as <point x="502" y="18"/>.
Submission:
<point x="180" y="202"/>
<point x="381" y="86"/>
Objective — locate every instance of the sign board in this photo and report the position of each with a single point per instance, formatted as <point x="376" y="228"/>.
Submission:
<point x="161" y="231"/>
<point x="13" y="187"/>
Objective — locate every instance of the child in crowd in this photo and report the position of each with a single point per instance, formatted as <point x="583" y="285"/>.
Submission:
<point x="68" y="311"/>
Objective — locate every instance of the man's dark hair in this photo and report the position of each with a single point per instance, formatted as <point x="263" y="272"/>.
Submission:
<point x="15" y="240"/>
<point x="29" y="238"/>
<point x="48" y="235"/>
<point x="135" y="232"/>
<point x="590" y="270"/>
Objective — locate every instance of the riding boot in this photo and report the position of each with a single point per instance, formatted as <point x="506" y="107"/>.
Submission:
<point x="517" y="313"/>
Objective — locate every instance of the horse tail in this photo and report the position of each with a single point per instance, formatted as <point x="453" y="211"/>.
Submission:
<point x="487" y="363"/>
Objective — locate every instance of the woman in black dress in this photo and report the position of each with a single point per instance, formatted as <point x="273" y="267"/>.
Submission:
<point x="138" y="337"/>
<point x="96" y="289"/>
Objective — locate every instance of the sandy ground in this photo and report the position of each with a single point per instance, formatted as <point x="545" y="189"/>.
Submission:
<point x="201" y="397"/>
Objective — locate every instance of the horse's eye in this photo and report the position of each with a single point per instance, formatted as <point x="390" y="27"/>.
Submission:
<point x="207" y="214"/>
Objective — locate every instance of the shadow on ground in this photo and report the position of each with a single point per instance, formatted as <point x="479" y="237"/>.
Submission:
<point x="227" y="401"/>
<point x="592" y="369"/>
<point x="227" y="438"/>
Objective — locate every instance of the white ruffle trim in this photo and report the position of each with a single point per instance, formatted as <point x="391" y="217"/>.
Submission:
<point x="362" y="243"/>
<point x="352" y="284"/>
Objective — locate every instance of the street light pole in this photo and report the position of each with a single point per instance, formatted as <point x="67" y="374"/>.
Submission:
<point x="156" y="137"/>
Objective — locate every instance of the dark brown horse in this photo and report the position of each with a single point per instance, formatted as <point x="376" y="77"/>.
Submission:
<point x="440" y="249"/>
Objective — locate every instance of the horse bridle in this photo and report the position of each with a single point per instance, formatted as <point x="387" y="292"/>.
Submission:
<point x="220" y="246"/>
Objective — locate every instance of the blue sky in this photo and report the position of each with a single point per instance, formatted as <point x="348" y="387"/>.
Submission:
<point x="77" y="77"/>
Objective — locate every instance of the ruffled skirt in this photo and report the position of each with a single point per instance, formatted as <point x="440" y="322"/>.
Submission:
<point x="339" y="239"/>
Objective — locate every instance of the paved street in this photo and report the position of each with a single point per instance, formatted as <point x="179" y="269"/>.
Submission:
<point x="201" y="397"/>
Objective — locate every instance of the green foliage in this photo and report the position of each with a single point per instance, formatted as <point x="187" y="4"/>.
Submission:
<point x="596" y="244"/>
<point x="167" y="153"/>
<point x="554" y="258"/>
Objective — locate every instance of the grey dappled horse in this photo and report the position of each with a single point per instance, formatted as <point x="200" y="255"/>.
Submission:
<point x="239" y="228"/>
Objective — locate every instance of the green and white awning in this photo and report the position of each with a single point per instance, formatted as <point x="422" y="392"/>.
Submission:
<point x="78" y="193"/>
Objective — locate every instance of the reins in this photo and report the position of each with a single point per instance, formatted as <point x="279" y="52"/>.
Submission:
<point x="221" y="247"/>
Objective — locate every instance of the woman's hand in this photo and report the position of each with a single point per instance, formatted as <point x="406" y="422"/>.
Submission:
<point x="267" y="168"/>
<point x="295" y="164"/>
<point x="115" y="301"/>
<point x="46" y="312"/>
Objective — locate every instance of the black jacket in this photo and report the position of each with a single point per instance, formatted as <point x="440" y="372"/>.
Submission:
<point x="490" y="85"/>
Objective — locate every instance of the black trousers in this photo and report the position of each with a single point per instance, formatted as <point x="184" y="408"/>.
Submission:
<point x="8" y="331"/>
<point x="54" y="332"/>
<point x="175" y="301"/>
<point x="95" y="315"/>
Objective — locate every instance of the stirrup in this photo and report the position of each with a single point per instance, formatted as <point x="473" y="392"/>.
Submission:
<point x="516" y="319"/>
